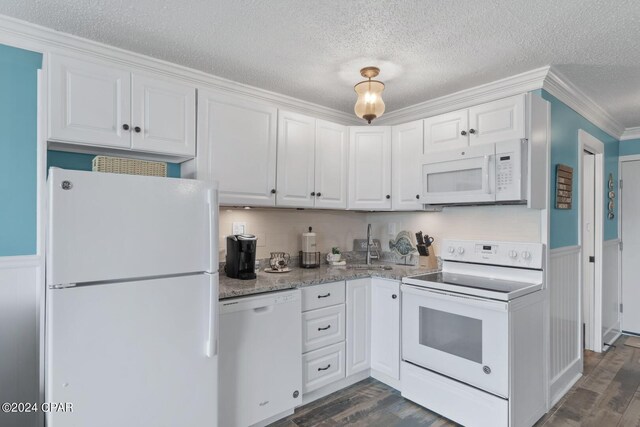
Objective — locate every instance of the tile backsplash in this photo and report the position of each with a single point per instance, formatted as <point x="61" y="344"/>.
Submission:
<point x="281" y="229"/>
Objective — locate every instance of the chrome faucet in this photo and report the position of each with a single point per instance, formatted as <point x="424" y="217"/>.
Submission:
<point x="369" y="245"/>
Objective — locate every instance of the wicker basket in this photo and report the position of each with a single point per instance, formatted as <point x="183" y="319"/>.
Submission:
<point x="128" y="166"/>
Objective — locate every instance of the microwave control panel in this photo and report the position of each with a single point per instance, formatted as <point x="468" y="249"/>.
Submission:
<point x="511" y="170"/>
<point x="504" y="172"/>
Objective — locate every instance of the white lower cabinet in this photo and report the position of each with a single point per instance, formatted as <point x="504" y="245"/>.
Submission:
<point x="358" y="325"/>
<point x="322" y="327"/>
<point x="385" y="327"/>
<point x="322" y="367"/>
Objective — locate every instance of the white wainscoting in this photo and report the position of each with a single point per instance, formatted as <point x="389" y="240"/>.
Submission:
<point x="610" y="291"/>
<point x="20" y="340"/>
<point x="565" y="364"/>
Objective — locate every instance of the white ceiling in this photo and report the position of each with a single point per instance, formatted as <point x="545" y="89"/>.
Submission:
<point x="312" y="50"/>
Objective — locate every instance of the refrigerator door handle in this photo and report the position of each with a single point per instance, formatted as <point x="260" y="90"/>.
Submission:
<point x="212" y="206"/>
<point x="211" y="348"/>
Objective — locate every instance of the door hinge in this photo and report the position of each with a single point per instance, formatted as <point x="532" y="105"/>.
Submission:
<point x="592" y="259"/>
<point x="621" y="184"/>
<point x="62" y="286"/>
<point x="620" y="307"/>
<point x="621" y="245"/>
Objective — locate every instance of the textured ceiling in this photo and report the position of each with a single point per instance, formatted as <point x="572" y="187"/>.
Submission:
<point x="312" y="50"/>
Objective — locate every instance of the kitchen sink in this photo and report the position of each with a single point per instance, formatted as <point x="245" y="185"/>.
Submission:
<point x="368" y="267"/>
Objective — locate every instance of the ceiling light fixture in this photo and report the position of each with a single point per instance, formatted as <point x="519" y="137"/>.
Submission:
<point x="369" y="105"/>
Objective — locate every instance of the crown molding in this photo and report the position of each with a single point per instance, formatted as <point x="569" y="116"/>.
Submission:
<point x="25" y="35"/>
<point x="630" y="133"/>
<point x="34" y="37"/>
<point x="558" y="85"/>
<point x="514" y="85"/>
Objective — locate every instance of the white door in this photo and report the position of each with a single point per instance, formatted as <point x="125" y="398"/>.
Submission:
<point x="237" y="148"/>
<point x="137" y="344"/>
<point x="406" y="155"/>
<point x="370" y="167"/>
<point x="108" y="226"/>
<point x="446" y="131"/>
<point x="588" y="247"/>
<point x="358" y="325"/>
<point x="629" y="207"/>
<point x="296" y="158"/>
<point x="332" y="154"/>
<point x="89" y="103"/>
<point x="496" y="121"/>
<point x="163" y="116"/>
<point x="385" y="327"/>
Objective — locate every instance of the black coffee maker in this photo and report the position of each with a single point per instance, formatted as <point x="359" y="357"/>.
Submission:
<point x="241" y="256"/>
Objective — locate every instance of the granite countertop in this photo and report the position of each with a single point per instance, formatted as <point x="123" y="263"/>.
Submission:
<point x="301" y="277"/>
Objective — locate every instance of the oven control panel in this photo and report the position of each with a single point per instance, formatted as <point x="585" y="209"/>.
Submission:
<point x="509" y="254"/>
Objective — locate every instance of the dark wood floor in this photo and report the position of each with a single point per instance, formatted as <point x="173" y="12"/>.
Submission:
<point x="607" y="395"/>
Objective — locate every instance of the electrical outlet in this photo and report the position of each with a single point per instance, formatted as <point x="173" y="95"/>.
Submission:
<point x="391" y="228"/>
<point x="239" y="228"/>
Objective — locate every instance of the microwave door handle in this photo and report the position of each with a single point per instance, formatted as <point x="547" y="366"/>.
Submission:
<point x="487" y="175"/>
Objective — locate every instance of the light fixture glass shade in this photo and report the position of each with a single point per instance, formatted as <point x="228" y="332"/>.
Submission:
<point x="369" y="104"/>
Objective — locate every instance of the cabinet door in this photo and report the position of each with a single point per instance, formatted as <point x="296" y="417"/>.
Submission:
<point x="332" y="153"/>
<point x="163" y="116"/>
<point x="237" y="148"/>
<point x="370" y="167"/>
<point x="296" y="157"/>
<point x="406" y="155"/>
<point x="497" y="121"/>
<point x="385" y="327"/>
<point x="358" y="325"/>
<point x="89" y="103"/>
<point x="446" y="132"/>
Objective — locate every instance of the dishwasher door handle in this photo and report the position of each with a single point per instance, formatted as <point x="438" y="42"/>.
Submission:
<point x="263" y="309"/>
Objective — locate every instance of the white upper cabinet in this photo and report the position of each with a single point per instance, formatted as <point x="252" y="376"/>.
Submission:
<point x="497" y="121"/>
<point x="89" y="103"/>
<point x="385" y="327"/>
<point x="332" y="153"/>
<point x="163" y="116"/>
<point x="237" y="148"/>
<point x="446" y="131"/>
<point x="406" y="155"/>
<point x="96" y="104"/>
<point x="370" y="167"/>
<point x="296" y="158"/>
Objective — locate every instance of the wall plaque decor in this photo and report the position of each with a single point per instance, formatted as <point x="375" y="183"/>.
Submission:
<point x="612" y="196"/>
<point x="564" y="182"/>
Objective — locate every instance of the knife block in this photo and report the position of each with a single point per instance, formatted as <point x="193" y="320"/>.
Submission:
<point x="429" y="261"/>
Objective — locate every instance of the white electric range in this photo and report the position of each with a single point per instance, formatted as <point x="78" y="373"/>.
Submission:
<point x="473" y="336"/>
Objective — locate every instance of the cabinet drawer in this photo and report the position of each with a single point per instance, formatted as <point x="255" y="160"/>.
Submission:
<point x="323" y="327"/>
<point x="322" y="367"/>
<point x="322" y="295"/>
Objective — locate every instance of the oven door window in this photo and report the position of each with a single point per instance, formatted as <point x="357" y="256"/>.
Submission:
<point x="451" y="333"/>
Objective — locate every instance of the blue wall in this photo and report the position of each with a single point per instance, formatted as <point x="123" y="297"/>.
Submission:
<point x="565" y="124"/>
<point x="18" y="150"/>
<point x="629" y="147"/>
<point x="83" y="162"/>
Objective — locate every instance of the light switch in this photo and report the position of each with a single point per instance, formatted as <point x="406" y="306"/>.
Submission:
<point x="238" y="228"/>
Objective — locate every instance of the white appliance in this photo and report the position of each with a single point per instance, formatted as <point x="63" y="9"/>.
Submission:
<point x="131" y="300"/>
<point x="473" y="334"/>
<point x="488" y="173"/>
<point x="260" y="358"/>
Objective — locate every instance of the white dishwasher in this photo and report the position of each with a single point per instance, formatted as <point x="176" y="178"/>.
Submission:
<point x="260" y="361"/>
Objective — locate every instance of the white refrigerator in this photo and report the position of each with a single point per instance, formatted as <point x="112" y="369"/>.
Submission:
<point x="131" y="301"/>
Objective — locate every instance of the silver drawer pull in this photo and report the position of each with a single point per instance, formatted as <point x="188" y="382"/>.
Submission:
<point x="325" y="368"/>
<point x="325" y="328"/>
<point x="328" y="294"/>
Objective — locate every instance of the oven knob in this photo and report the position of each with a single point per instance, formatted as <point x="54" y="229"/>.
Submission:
<point x="460" y="250"/>
<point x="526" y="255"/>
<point x="451" y="249"/>
<point x="513" y="254"/>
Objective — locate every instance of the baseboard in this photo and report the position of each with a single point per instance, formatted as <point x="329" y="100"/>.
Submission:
<point x="333" y="387"/>
<point x="562" y="383"/>
<point x="273" y="419"/>
<point x="386" y="379"/>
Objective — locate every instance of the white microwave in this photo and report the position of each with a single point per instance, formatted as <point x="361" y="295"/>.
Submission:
<point x="489" y="173"/>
